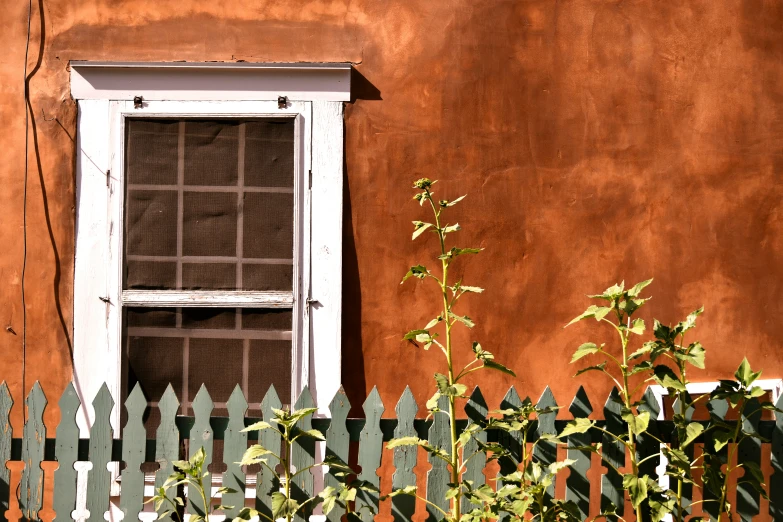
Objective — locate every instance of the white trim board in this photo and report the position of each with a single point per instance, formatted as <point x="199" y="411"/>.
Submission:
<point x="210" y="81"/>
<point x="699" y="388"/>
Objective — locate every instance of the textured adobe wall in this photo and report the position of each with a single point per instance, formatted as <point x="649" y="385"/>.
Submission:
<point x="596" y="140"/>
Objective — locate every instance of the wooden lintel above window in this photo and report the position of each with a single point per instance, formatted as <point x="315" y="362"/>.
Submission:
<point x="210" y="81"/>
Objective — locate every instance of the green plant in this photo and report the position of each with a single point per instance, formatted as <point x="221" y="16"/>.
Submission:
<point x="285" y="424"/>
<point x="523" y="493"/>
<point x="621" y="304"/>
<point x="742" y="396"/>
<point x="449" y="384"/>
<point x="187" y="473"/>
<point x="666" y="360"/>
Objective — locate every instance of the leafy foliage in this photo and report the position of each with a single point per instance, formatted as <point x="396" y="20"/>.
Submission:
<point x="286" y="424"/>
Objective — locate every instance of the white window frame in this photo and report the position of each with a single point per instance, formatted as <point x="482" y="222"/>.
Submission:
<point x="314" y="96"/>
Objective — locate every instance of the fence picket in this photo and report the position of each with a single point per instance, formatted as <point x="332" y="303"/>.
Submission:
<point x="776" y="480"/>
<point x="201" y="436"/>
<point x="749" y="452"/>
<point x="647" y="446"/>
<point x="235" y="444"/>
<point x="6" y="436"/>
<point x="718" y="409"/>
<point x="612" y="494"/>
<point x="477" y="411"/>
<point x="99" y="477"/>
<point x="166" y="441"/>
<point x="302" y="456"/>
<point x="438" y="477"/>
<point x="266" y="482"/>
<point x="337" y="441"/>
<point x="546" y="452"/>
<point x="403" y="506"/>
<point x="31" y="486"/>
<point x="370" y="450"/>
<point x="134" y="438"/>
<point x="577" y="485"/>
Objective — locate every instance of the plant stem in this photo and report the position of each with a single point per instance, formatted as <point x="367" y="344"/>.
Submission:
<point x="627" y="400"/>
<point x="287" y="470"/>
<point x="454" y="457"/>
<point x="725" y="488"/>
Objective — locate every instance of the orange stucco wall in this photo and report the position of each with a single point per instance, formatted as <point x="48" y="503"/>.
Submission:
<point x="596" y="140"/>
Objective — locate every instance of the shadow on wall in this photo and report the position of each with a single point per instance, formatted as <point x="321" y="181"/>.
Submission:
<point x="353" y="377"/>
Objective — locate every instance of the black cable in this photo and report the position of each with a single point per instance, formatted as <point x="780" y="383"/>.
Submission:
<point x="24" y="204"/>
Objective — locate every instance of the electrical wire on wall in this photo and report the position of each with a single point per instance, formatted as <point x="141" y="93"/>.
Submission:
<point x="24" y="203"/>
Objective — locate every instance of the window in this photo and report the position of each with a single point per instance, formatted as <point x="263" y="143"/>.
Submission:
<point x="209" y="223"/>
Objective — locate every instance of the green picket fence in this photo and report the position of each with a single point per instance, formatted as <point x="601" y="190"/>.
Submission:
<point x="133" y="448"/>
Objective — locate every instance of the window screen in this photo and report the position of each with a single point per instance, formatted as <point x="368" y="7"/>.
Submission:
<point x="209" y="205"/>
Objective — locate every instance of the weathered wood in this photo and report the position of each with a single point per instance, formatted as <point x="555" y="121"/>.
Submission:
<point x="749" y="453"/>
<point x="612" y="494"/>
<point x="439" y="476"/>
<point x="776" y="480"/>
<point x="302" y="456"/>
<point x="646" y="445"/>
<point x="577" y="484"/>
<point x="134" y="438"/>
<point x="403" y="506"/>
<point x="718" y="409"/>
<point x="266" y="482"/>
<point x="512" y="442"/>
<point x="6" y="435"/>
<point x="32" y="483"/>
<point x="166" y="441"/>
<point x="337" y="442"/>
<point x="201" y="436"/>
<point x="546" y="452"/>
<point x="235" y="444"/>
<point x="370" y="450"/>
<point x="477" y="411"/>
<point x="99" y="477"/>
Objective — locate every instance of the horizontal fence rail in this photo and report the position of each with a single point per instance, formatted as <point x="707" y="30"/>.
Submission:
<point x="178" y="437"/>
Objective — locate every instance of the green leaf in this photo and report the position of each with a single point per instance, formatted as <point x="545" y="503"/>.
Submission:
<point x="494" y="365"/>
<point x="590" y="312"/>
<point x="452" y="203"/>
<point x="636" y="289"/>
<point x="419" y="271"/>
<point x="282" y="506"/>
<point x="431" y="324"/>
<point x="611" y="293"/>
<point x="407" y="490"/>
<point x="601" y="312"/>
<point x="471" y="289"/>
<point x="464" y="319"/>
<point x="314" y="434"/>
<point x="756" y="391"/>
<point x="689" y="321"/>
<point x="695" y="355"/>
<point x="585" y="350"/>
<point x="413" y="334"/>
<point x="638" y="423"/>
<point x="636" y="487"/>
<point x="666" y="377"/>
<point x="419" y="227"/>
<point x="258" y="426"/>
<point x="576" y="426"/>
<point x="555" y="467"/>
<point x="247" y="513"/>
<point x="720" y="439"/>
<point x="253" y="455"/>
<point x="647" y="348"/>
<point x="223" y="490"/>
<point x="451" y="228"/>
<point x="692" y="431"/>
<point x="598" y="367"/>
<point x="432" y="402"/>
<point x="404" y="441"/>
<point x="745" y="375"/>
<point x="335" y="463"/>
<point x="637" y="327"/>
<point x="442" y="382"/>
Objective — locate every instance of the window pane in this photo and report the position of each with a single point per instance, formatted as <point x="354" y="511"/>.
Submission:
<point x="213" y="207"/>
<point x="217" y="347"/>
